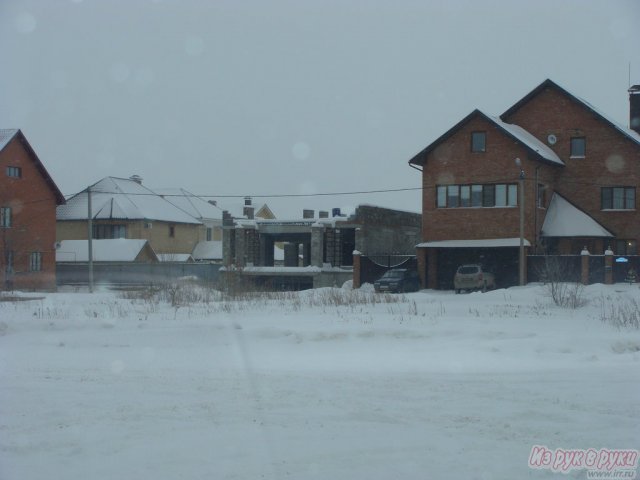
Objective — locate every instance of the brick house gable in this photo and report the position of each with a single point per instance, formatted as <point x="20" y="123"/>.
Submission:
<point x="539" y="129"/>
<point x="28" y="197"/>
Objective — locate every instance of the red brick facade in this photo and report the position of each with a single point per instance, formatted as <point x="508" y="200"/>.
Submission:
<point x="612" y="159"/>
<point x="27" y="239"/>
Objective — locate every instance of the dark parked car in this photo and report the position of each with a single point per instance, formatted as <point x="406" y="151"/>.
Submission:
<point x="398" y="280"/>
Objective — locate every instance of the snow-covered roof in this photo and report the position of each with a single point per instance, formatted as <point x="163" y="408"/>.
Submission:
<point x="482" y="243"/>
<point x="211" y="250"/>
<point x="630" y="134"/>
<point x="116" y="250"/>
<point x="529" y="140"/>
<point x="308" y="270"/>
<point x="122" y="199"/>
<point x="175" y="257"/>
<point x="186" y="201"/>
<point x="6" y="135"/>
<point x="518" y="133"/>
<point x="566" y="220"/>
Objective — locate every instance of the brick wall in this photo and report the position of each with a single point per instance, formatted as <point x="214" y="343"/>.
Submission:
<point x="611" y="159"/>
<point x="33" y="222"/>
<point x="452" y="162"/>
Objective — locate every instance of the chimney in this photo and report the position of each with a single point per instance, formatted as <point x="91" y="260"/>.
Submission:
<point x="227" y="219"/>
<point x="634" y="108"/>
<point x="308" y="213"/>
<point x="136" y="178"/>
<point x="247" y="211"/>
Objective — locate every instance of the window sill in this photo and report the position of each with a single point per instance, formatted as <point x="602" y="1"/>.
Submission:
<point x="618" y="209"/>
<point x="577" y="157"/>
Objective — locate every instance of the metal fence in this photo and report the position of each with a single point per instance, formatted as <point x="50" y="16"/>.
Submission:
<point x="135" y="273"/>
<point x="561" y="268"/>
<point x="568" y="268"/>
<point x="372" y="267"/>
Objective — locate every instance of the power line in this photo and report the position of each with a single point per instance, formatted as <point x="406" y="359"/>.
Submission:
<point x="329" y="194"/>
<point x="280" y="195"/>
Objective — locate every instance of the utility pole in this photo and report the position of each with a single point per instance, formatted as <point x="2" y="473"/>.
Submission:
<point x="522" y="280"/>
<point x="90" y="238"/>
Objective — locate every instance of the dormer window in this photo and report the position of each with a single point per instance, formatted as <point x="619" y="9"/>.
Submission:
<point x="478" y="141"/>
<point x="578" y="147"/>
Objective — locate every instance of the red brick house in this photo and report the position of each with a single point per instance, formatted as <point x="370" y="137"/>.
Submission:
<point x="28" y="200"/>
<point x="580" y="175"/>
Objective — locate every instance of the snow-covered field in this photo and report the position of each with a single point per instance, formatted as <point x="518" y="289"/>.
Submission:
<point x="435" y="385"/>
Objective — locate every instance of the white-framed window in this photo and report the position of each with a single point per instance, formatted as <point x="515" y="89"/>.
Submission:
<point x="35" y="261"/>
<point x="618" y="198"/>
<point x="8" y="261"/>
<point x="489" y="195"/>
<point x="541" y="194"/>
<point x="109" y="231"/>
<point x="5" y="217"/>
<point x="476" y="195"/>
<point x="478" y="142"/>
<point x="15" y="172"/>
<point x="578" y="147"/>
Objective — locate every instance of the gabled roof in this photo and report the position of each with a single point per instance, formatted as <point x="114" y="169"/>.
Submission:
<point x="211" y="250"/>
<point x="122" y="199"/>
<point x="630" y="134"/>
<point x="536" y="147"/>
<point x="236" y="209"/>
<point x="6" y="135"/>
<point x="116" y="250"/>
<point x="564" y="219"/>
<point x="265" y="212"/>
<point x="194" y="205"/>
<point x="175" y="257"/>
<point x="476" y="243"/>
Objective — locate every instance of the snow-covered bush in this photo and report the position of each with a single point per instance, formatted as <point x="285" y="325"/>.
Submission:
<point x="621" y="312"/>
<point x="556" y="273"/>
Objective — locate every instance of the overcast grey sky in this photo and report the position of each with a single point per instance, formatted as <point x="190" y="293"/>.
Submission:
<point x="289" y="96"/>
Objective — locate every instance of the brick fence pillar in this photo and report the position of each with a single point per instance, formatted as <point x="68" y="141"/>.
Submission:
<point x="241" y="247"/>
<point x="317" y="244"/>
<point x="584" y="276"/>
<point x="421" y="257"/>
<point x="608" y="267"/>
<point x="432" y="268"/>
<point x="356" y="269"/>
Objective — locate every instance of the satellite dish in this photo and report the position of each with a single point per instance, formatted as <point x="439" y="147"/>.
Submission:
<point x="552" y="139"/>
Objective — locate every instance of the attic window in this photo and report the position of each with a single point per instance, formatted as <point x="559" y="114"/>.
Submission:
<point x="478" y="141"/>
<point x="578" y="147"/>
<point x="15" y="172"/>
